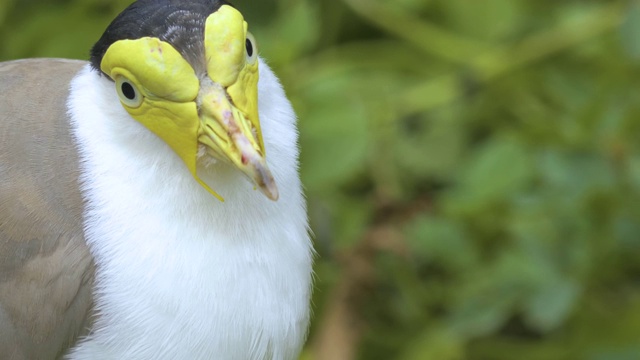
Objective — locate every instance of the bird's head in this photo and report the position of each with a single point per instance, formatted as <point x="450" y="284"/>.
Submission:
<point x="188" y="71"/>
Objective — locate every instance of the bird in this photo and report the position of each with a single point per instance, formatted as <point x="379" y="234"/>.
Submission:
<point x="150" y="199"/>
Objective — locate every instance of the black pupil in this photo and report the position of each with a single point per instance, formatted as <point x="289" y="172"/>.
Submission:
<point x="249" y="46"/>
<point x="128" y="91"/>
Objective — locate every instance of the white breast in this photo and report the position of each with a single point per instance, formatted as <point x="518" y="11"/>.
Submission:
<point x="181" y="275"/>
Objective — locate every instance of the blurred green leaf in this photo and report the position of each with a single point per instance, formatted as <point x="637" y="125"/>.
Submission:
<point x="634" y="171"/>
<point x="498" y="170"/>
<point x="488" y="19"/>
<point x="351" y="220"/>
<point x="292" y="32"/>
<point x="436" y="343"/>
<point x="551" y="304"/>
<point x="5" y="6"/>
<point x="630" y="31"/>
<point x="488" y="297"/>
<point x="438" y="138"/>
<point x="442" y="241"/>
<point x="335" y="134"/>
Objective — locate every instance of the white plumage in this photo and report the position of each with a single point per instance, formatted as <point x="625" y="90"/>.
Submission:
<point x="179" y="274"/>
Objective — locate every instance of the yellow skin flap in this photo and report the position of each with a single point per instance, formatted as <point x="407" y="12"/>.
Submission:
<point x="224" y="37"/>
<point x="161" y="90"/>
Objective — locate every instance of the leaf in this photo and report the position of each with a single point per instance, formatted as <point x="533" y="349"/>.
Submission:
<point x="334" y="135"/>
<point x="489" y="296"/>
<point x="435" y="342"/>
<point x="351" y="219"/>
<point x="294" y="31"/>
<point x="551" y="304"/>
<point x="617" y="353"/>
<point x="487" y="19"/>
<point x="630" y="31"/>
<point x="498" y="170"/>
<point x="575" y="176"/>
<point x="5" y="7"/>
<point x="438" y="138"/>
<point x="633" y="167"/>
<point x="626" y="227"/>
<point x="442" y="241"/>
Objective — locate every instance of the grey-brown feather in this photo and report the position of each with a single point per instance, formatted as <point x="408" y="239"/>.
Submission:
<point x="46" y="271"/>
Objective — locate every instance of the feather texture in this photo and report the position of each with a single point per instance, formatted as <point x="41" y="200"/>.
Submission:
<point x="179" y="274"/>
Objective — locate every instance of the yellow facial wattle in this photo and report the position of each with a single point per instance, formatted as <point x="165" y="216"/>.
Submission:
<point x="225" y="37"/>
<point x="219" y="109"/>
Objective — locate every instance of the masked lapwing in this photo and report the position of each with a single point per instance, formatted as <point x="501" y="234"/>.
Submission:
<point x="150" y="202"/>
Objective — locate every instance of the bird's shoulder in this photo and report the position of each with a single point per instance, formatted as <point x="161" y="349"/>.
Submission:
<point x="46" y="270"/>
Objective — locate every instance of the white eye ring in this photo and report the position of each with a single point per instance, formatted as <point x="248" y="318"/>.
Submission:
<point x="129" y="94"/>
<point x="251" y="49"/>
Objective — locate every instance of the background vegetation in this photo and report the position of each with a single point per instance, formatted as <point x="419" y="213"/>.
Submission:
<point x="472" y="167"/>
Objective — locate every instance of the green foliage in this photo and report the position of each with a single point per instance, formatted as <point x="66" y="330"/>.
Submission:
<point x="497" y="139"/>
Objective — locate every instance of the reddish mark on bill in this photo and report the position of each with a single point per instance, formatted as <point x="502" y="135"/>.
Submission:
<point x="244" y="159"/>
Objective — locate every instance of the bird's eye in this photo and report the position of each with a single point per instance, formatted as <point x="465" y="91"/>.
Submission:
<point x="252" y="50"/>
<point x="128" y="92"/>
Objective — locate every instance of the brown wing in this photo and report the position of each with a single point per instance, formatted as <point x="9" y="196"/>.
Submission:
<point x="46" y="271"/>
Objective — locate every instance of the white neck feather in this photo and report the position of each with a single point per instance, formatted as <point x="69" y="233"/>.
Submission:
<point x="181" y="275"/>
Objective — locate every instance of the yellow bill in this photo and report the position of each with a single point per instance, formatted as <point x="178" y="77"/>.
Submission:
<point x="219" y="110"/>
